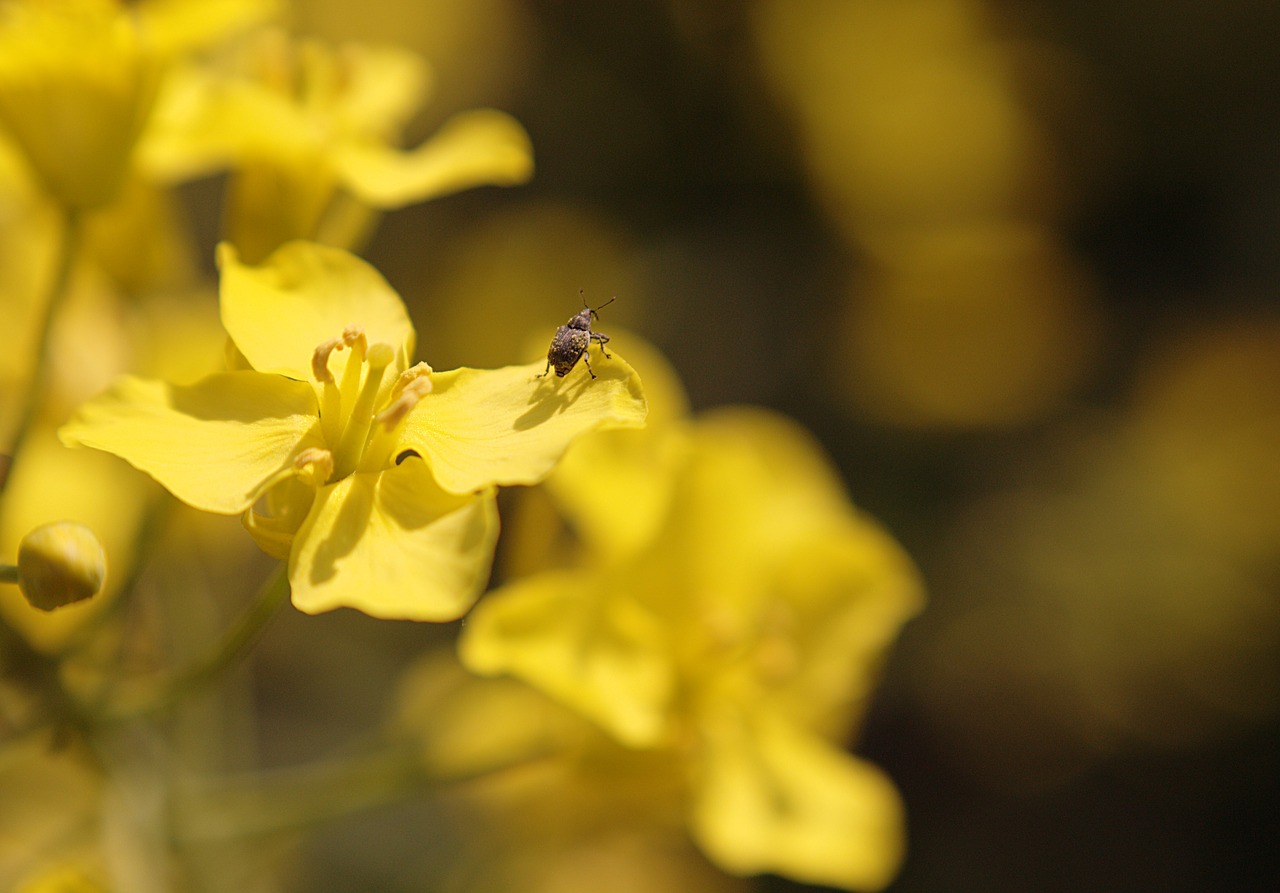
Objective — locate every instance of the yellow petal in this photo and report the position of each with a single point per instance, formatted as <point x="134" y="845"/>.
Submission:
<point x="77" y="83"/>
<point x="565" y="635"/>
<point x="211" y="444"/>
<point x="62" y="878"/>
<point x="477" y="148"/>
<point x="205" y="121"/>
<point x="772" y="798"/>
<point x="480" y="427"/>
<point x="850" y="589"/>
<point x="50" y="795"/>
<point x="394" y="545"/>
<point x="382" y="87"/>
<point x="751" y="488"/>
<point x="794" y="488"/>
<point x="302" y="296"/>
<point x="606" y="469"/>
<point x="463" y="726"/>
<point x="184" y="26"/>
<point x="282" y="101"/>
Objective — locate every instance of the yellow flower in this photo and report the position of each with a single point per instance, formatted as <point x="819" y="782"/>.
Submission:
<point x="53" y="813"/>
<point x="77" y="83"/>
<point x="580" y="814"/>
<point x="739" y="636"/>
<point x="62" y="879"/>
<point x="79" y="79"/>
<point x="374" y="478"/>
<point x="310" y="133"/>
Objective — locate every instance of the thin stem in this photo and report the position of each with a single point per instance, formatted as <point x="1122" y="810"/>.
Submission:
<point x="8" y="573"/>
<point x="163" y="692"/>
<point x="300" y="797"/>
<point x="68" y="249"/>
<point x="296" y="797"/>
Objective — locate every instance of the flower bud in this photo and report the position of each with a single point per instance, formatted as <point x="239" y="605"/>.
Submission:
<point x="59" y="564"/>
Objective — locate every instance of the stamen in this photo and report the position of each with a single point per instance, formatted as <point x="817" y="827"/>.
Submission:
<point x="273" y="535"/>
<point x="353" y="333"/>
<point x="416" y="372"/>
<point x="351" y="446"/>
<point x="331" y="396"/>
<point x="353" y="336"/>
<point x="315" y="463"/>
<point x="320" y="360"/>
<point x="412" y="385"/>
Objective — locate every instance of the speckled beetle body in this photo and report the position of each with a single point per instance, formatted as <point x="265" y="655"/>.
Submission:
<point x="572" y="341"/>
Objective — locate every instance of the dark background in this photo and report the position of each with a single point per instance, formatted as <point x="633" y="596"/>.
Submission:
<point x="1089" y="702"/>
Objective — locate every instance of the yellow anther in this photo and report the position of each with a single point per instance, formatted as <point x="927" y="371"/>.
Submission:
<point x="353" y="333"/>
<point x="412" y="385"/>
<point x="316" y="463"/>
<point x="353" y="337"/>
<point x="417" y="373"/>
<point x="398" y="408"/>
<point x="320" y="360"/>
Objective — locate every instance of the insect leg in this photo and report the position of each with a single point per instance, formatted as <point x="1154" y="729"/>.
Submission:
<point x="600" y="339"/>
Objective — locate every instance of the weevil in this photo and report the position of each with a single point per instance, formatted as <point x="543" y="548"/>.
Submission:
<point x="572" y="341"/>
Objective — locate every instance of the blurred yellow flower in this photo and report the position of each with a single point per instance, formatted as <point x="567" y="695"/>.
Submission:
<point x="738" y="637"/>
<point x="310" y="133"/>
<point x="79" y="79"/>
<point x="77" y="82"/>
<point x="63" y="879"/>
<point x="50" y="827"/>
<point x="969" y="307"/>
<point x="1116" y="596"/>
<point x="581" y="813"/>
<point x="376" y="479"/>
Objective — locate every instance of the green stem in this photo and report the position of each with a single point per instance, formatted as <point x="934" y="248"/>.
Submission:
<point x="160" y="693"/>
<point x="8" y="573"/>
<point x="68" y="248"/>
<point x="294" y="798"/>
<point x="300" y="797"/>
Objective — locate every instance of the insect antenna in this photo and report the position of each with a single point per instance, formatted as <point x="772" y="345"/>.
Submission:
<point x="582" y="294"/>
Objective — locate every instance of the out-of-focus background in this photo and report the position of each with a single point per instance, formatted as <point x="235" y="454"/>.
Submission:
<point x="1015" y="265"/>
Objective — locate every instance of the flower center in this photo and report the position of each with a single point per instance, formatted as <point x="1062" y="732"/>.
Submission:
<point x="356" y="424"/>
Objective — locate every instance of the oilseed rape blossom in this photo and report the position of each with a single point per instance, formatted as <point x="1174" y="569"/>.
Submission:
<point x="79" y="80"/>
<point x="310" y="134"/>
<point x="374" y="478"/>
<point x="734" y="635"/>
<point x="77" y="84"/>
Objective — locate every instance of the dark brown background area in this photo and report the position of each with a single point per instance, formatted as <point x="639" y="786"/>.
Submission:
<point x="659" y="119"/>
